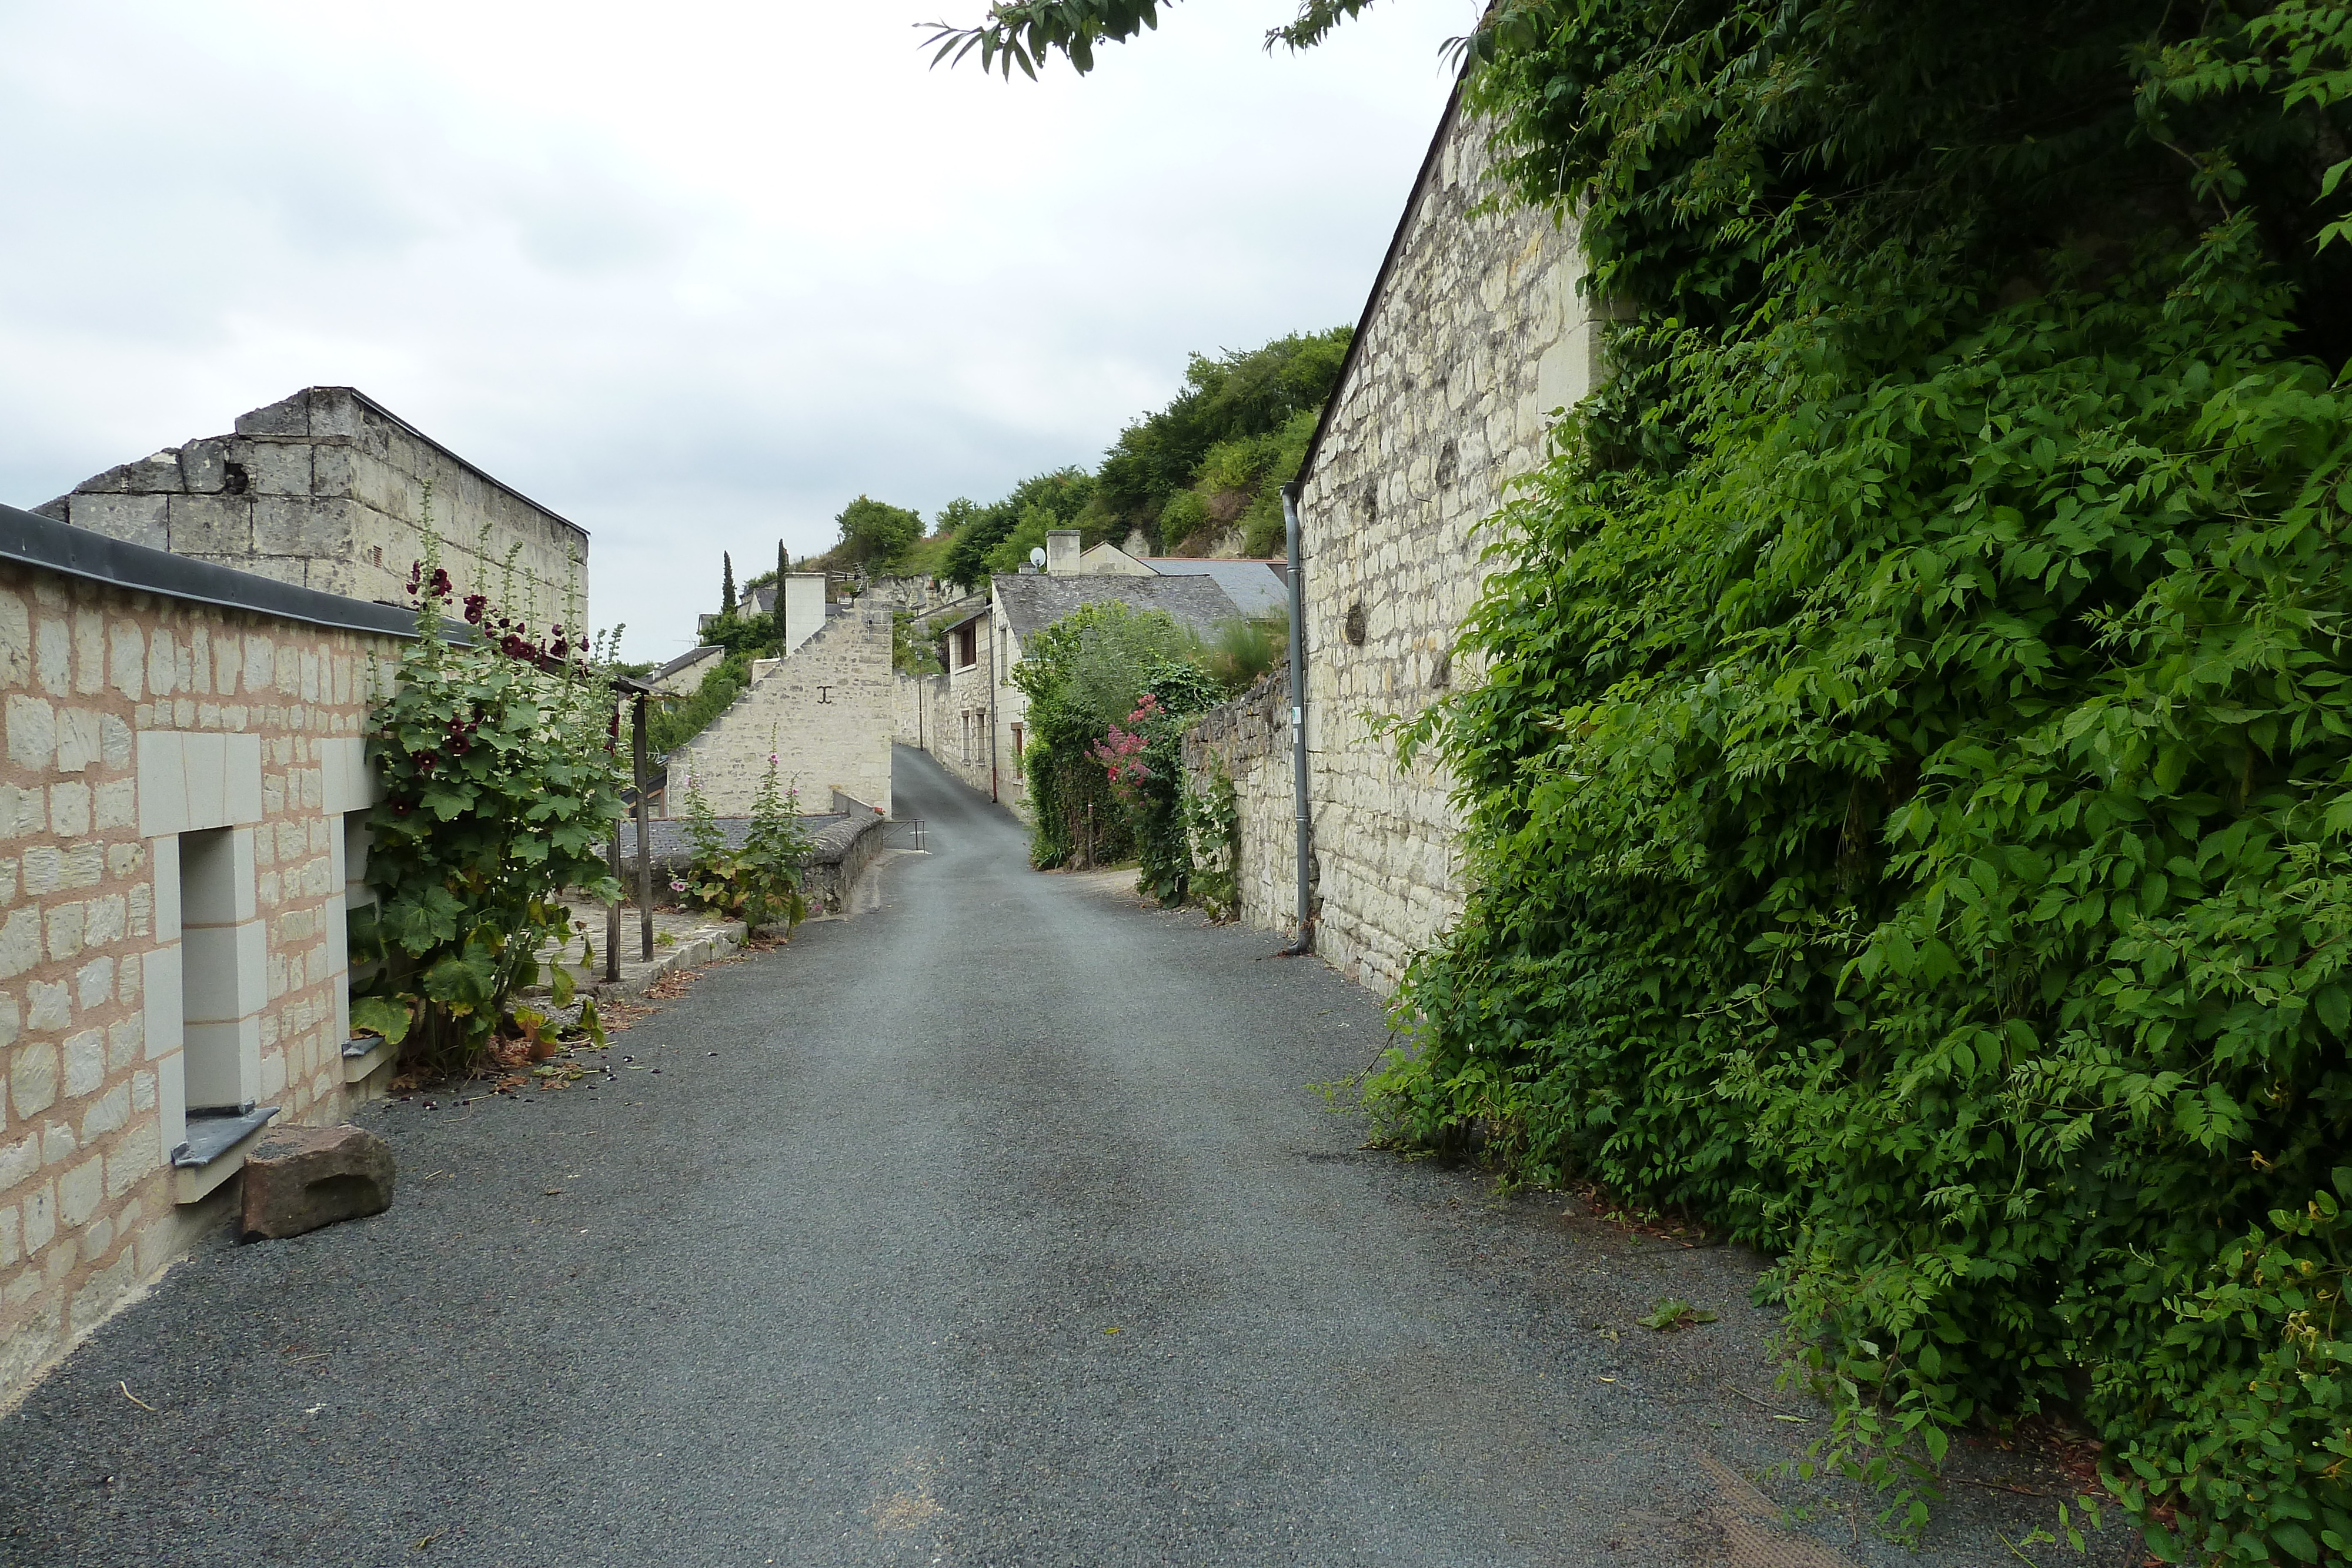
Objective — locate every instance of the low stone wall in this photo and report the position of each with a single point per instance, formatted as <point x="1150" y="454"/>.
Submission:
<point x="840" y="857"/>
<point x="1248" y="739"/>
<point x="842" y="845"/>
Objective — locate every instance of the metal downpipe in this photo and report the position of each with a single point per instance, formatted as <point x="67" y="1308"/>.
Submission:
<point x="1298" y="782"/>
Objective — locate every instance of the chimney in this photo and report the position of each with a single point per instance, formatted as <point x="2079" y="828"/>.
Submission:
<point x="800" y="597"/>
<point x="1062" y="552"/>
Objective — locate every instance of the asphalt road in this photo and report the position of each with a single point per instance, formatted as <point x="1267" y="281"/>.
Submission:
<point x="997" y="1226"/>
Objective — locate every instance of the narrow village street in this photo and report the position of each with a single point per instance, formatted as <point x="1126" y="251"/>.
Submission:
<point x="999" y="1225"/>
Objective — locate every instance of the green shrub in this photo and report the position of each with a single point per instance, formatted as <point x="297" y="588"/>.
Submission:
<point x="1084" y="674"/>
<point x="500" y="792"/>
<point x="758" y="883"/>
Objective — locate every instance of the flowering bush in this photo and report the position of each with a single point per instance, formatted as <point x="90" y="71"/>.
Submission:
<point x="1145" y="763"/>
<point x="500" y="792"/>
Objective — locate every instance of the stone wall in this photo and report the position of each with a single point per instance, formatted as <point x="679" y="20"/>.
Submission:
<point x="326" y="490"/>
<point x="826" y="711"/>
<point x="1474" y="338"/>
<point x="146" y="735"/>
<point x="955" y="719"/>
<point x="1248" y="739"/>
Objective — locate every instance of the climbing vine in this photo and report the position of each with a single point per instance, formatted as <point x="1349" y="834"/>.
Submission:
<point x="1213" y="823"/>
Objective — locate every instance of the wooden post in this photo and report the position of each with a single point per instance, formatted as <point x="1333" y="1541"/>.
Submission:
<point x="613" y="915"/>
<point x="645" y="836"/>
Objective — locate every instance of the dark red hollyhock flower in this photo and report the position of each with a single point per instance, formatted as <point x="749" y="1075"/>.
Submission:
<point x="558" y="631"/>
<point x="441" y="587"/>
<point x="476" y="604"/>
<point x="560" y="648"/>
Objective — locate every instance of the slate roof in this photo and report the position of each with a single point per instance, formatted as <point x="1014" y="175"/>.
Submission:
<point x="1258" y="587"/>
<point x="1034" y="601"/>
<point x="683" y="660"/>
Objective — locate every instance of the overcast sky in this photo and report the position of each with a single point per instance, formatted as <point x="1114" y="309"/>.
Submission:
<point x="693" y="275"/>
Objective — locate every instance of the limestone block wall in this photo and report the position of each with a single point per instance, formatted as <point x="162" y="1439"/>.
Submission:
<point x="926" y="715"/>
<point x="955" y="720"/>
<point x="1248" y="739"/>
<point x="326" y="490"/>
<point x="827" y="712"/>
<point x="145" y="734"/>
<point x="1475" y="336"/>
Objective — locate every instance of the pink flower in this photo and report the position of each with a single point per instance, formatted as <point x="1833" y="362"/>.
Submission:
<point x="677" y="884"/>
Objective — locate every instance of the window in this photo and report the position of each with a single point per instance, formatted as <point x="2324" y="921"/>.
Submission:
<point x="967" y="645"/>
<point x="1017" y="743"/>
<point x="222" y="952"/>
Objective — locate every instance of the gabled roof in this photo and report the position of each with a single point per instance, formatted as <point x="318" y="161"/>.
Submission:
<point x="1033" y="601"/>
<point x="691" y="656"/>
<point x="1257" y="587"/>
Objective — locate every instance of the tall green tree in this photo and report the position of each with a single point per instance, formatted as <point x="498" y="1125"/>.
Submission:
<point x="726" y="583"/>
<point x="1061" y="497"/>
<point x="876" y="535"/>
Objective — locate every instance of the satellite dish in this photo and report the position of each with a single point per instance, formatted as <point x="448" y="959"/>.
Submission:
<point x="1036" y="557"/>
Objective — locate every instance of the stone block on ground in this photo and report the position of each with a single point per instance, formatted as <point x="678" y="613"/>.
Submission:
<point x="297" y="1179"/>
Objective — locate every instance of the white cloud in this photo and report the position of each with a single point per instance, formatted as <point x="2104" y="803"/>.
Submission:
<point x="693" y="276"/>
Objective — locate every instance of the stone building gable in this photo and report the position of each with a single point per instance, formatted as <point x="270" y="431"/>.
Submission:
<point x="1473" y="338"/>
<point x="326" y="490"/>
<point x="826" y="711"/>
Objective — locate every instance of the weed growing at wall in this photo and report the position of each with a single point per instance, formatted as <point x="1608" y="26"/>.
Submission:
<point x="1212" y="825"/>
<point x="758" y="883"/>
<point x="501" y="794"/>
<point x="1144" y="759"/>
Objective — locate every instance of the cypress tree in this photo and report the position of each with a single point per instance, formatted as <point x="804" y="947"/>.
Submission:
<point x="727" y="584"/>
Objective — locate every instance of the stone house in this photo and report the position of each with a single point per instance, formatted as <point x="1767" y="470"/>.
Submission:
<point x="326" y="490"/>
<point x="977" y="719"/>
<point x="1473" y="340"/>
<point x="181" y="811"/>
<point x="825" y="710"/>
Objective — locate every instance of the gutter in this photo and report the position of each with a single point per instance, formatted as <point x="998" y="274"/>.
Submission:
<point x="33" y="540"/>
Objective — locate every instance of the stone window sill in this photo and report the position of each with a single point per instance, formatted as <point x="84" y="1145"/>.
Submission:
<point x="362" y="1054"/>
<point x="216" y="1150"/>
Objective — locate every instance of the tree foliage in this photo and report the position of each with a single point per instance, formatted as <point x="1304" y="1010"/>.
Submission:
<point x="876" y="535"/>
<point x="1220" y="450"/>
<point x="1909" y="800"/>
<point x="500" y="790"/>
<point x="1056" y="499"/>
<point x="1083" y="676"/>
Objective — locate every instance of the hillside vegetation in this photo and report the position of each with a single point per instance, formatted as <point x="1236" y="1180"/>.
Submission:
<point x="1203" y="470"/>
